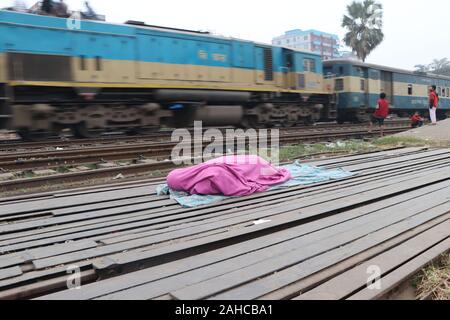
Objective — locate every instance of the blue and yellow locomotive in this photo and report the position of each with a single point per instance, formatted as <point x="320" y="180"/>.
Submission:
<point x="93" y="76"/>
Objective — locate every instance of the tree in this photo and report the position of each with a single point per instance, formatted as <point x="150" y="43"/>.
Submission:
<point x="422" y="68"/>
<point x="364" y="23"/>
<point x="438" y="66"/>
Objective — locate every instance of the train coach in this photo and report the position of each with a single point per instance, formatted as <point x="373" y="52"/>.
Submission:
<point x="357" y="87"/>
<point x="93" y="76"/>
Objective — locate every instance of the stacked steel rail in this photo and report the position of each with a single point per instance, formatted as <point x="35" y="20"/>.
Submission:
<point x="304" y="242"/>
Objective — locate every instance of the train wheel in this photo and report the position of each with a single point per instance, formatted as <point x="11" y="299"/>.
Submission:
<point x="260" y="125"/>
<point x="251" y="122"/>
<point x="142" y="131"/>
<point x="81" y="131"/>
<point x="309" y="121"/>
<point x="28" y="135"/>
<point x="149" y="130"/>
<point x="291" y="119"/>
<point x="289" y="123"/>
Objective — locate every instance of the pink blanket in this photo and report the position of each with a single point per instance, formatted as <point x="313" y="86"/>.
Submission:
<point x="230" y="176"/>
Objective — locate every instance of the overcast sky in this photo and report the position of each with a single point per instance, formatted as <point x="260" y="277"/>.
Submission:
<point x="416" y="31"/>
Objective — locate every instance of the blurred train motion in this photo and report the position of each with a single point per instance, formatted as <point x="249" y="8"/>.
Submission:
<point x="92" y="76"/>
<point x="104" y="76"/>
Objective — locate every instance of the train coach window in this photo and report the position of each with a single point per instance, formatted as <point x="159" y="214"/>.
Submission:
<point x="410" y="89"/>
<point x="98" y="63"/>
<point x="82" y="63"/>
<point x="448" y="92"/>
<point x="313" y="65"/>
<point x="268" y="64"/>
<point x="339" y="84"/>
<point x="363" y="85"/>
<point x="359" y="71"/>
<point x="309" y="65"/>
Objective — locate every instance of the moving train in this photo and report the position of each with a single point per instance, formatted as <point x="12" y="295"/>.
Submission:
<point x="94" y="76"/>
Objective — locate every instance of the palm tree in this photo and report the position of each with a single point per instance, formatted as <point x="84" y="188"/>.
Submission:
<point x="364" y="23"/>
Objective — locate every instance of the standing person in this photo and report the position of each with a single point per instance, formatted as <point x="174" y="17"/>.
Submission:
<point x="416" y="121"/>
<point x="434" y="102"/>
<point x="380" y="114"/>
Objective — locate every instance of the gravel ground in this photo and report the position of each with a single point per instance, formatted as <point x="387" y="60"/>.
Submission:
<point x="430" y="133"/>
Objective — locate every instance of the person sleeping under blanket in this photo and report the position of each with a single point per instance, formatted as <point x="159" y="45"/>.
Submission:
<point x="237" y="176"/>
<point x="232" y="176"/>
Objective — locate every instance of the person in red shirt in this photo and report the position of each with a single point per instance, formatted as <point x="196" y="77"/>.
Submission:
<point x="434" y="102"/>
<point x="416" y="121"/>
<point x="380" y="114"/>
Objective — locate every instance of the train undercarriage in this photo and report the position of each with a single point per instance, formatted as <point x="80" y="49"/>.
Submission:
<point x="39" y="112"/>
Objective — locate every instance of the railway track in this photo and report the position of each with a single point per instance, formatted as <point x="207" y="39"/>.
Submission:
<point x="142" y="150"/>
<point x="29" y="170"/>
<point x="8" y="145"/>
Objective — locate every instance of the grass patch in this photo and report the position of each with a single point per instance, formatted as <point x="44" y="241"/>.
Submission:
<point x="400" y="142"/>
<point x="27" y="174"/>
<point x="434" y="281"/>
<point x="288" y="153"/>
<point x="92" y="166"/>
<point x="157" y="174"/>
<point x="410" y="142"/>
<point x="63" y="169"/>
